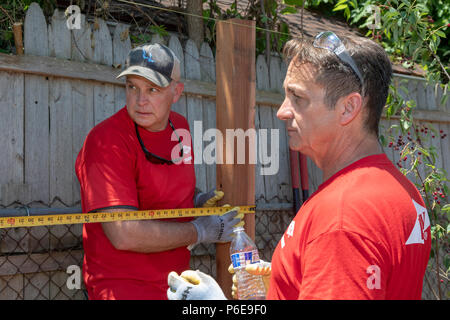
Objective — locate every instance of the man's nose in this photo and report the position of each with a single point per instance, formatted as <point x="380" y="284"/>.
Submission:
<point x="285" y="111"/>
<point x="142" y="98"/>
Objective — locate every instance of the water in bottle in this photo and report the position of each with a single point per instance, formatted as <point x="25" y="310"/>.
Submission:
<point x="243" y="251"/>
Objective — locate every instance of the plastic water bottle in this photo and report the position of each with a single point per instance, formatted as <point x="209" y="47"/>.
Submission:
<point x="243" y="251"/>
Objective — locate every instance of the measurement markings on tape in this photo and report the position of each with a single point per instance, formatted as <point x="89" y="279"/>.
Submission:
<point x="75" y="218"/>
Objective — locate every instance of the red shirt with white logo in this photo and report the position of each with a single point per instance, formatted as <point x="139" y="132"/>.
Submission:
<point x="113" y="172"/>
<point x="364" y="234"/>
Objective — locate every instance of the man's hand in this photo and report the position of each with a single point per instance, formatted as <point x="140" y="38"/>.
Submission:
<point x="193" y="285"/>
<point x="262" y="268"/>
<point x="208" y="199"/>
<point x="212" y="229"/>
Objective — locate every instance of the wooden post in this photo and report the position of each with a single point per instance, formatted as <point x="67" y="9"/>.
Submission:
<point x="18" y="39"/>
<point x="235" y="109"/>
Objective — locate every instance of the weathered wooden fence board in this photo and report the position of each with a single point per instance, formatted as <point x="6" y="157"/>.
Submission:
<point x="35" y="32"/>
<point x="283" y="176"/>
<point x="81" y="42"/>
<point x="37" y="161"/>
<point x="208" y="74"/>
<point x="194" y="108"/>
<point x="102" y="43"/>
<point x="175" y="46"/>
<point x="446" y="147"/>
<point x="11" y="139"/>
<point x="121" y="46"/>
<point x="82" y="122"/>
<point x="61" y="140"/>
<point x="59" y="39"/>
<point x="261" y="122"/>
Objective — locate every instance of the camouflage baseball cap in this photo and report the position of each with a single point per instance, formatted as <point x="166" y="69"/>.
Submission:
<point x="155" y="62"/>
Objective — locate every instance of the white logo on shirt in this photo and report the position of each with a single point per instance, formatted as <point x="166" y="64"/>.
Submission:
<point x="282" y="242"/>
<point x="374" y="280"/>
<point x="289" y="233"/>
<point x="418" y="234"/>
<point x="290" y="230"/>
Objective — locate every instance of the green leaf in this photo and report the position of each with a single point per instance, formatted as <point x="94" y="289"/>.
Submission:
<point x="289" y="10"/>
<point x="405" y="124"/>
<point x="293" y="2"/>
<point x="424" y="151"/>
<point x="341" y="7"/>
<point x="383" y="141"/>
<point x="440" y="34"/>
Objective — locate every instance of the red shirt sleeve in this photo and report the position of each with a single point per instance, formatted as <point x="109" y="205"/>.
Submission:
<point x="105" y="170"/>
<point x="343" y="265"/>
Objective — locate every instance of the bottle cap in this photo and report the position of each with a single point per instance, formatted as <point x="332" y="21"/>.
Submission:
<point x="236" y="229"/>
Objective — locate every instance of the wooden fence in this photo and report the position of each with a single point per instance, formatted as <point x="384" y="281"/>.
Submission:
<point x="66" y="83"/>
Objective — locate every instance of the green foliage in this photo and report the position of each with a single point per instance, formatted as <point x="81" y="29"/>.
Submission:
<point x="268" y="22"/>
<point x="418" y="160"/>
<point x="412" y="32"/>
<point x="12" y="11"/>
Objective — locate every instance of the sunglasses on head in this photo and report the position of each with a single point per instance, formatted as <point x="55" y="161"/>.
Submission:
<point x="153" y="158"/>
<point x="329" y="40"/>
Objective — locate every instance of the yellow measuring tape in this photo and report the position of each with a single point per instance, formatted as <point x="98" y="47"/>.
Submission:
<point x="74" y="218"/>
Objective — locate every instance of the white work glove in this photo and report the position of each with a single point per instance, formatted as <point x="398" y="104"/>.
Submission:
<point x="207" y="199"/>
<point x="193" y="285"/>
<point x="262" y="268"/>
<point x="216" y="228"/>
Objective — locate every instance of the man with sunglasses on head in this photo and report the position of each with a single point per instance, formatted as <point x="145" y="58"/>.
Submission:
<point x="136" y="160"/>
<point x="365" y="232"/>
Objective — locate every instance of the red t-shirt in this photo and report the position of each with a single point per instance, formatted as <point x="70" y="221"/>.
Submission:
<point x="113" y="171"/>
<point x="364" y="234"/>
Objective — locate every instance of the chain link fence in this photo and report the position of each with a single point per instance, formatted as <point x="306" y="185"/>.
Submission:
<point x="34" y="261"/>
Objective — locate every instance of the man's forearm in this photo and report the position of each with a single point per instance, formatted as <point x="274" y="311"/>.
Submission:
<point x="149" y="235"/>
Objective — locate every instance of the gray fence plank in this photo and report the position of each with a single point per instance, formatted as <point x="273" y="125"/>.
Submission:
<point x="445" y="146"/>
<point x="175" y="46"/>
<point x="104" y="105"/>
<point x="195" y="112"/>
<point x="83" y="121"/>
<point x="156" y="38"/>
<point x="276" y="78"/>
<point x="11" y="139"/>
<point x="35" y="32"/>
<point x="208" y="73"/>
<point x="37" y="146"/>
<point x="121" y="45"/>
<point x="81" y="41"/>
<point x="103" y="93"/>
<point x="436" y="143"/>
<point x="265" y="124"/>
<point x="421" y="101"/>
<point x="60" y="103"/>
<point x="262" y="76"/>
<point x="59" y="37"/>
<point x="121" y="48"/>
<point x="102" y="43"/>
<point x="284" y="185"/>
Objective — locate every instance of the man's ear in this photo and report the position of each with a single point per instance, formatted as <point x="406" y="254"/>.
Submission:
<point x="178" y="90"/>
<point x="350" y="108"/>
